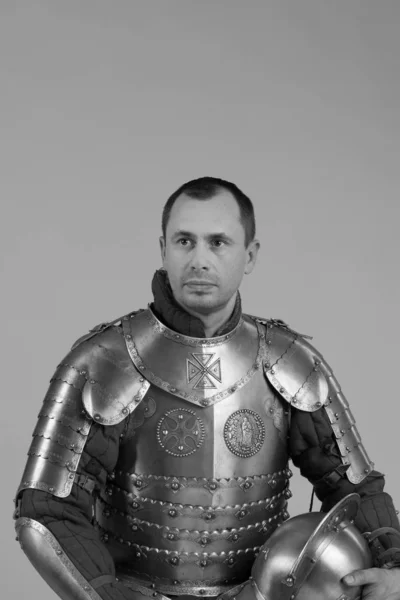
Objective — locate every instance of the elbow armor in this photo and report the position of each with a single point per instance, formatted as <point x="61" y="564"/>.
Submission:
<point x="49" y="559"/>
<point x="305" y="380"/>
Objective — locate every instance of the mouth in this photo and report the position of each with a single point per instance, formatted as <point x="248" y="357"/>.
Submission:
<point x="199" y="283"/>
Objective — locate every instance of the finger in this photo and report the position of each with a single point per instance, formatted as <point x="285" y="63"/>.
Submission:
<point x="362" y="577"/>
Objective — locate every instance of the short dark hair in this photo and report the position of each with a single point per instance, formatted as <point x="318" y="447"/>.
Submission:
<point x="205" y="188"/>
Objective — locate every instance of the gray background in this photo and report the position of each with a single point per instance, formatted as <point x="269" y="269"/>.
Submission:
<point x="107" y="107"/>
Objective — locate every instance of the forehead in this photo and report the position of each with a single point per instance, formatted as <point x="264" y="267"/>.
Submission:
<point x="219" y="213"/>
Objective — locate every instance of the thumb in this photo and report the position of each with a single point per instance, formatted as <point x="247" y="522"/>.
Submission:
<point x="362" y="577"/>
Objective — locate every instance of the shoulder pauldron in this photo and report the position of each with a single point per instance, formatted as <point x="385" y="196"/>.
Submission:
<point x="95" y="381"/>
<point x="305" y="380"/>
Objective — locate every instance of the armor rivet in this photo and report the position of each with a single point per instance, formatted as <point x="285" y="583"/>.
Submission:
<point x="172" y="513"/>
<point x="202" y="592"/>
<point x="366" y="470"/>
<point x="268" y="364"/>
<point x="271" y="410"/>
<point x="397" y="512"/>
<point x="155" y="594"/>
<point x="269" y="342"/>
<point x="137" y="554"/>
<point x="347" y="449"/>
<point x="92" y="381"/>
<point x="246" y="485"/>
<point x="172" y="389"/>
<point x="204" y="541"/>
<point x="141" y="379"/>
<point x="319" y="404"/>
<point x="51" y="489"/>
<point x="174" y="560"/>
<point x="235" y="537"/>
<point x="294" y="401"/>
<point x="128" y="337"/>
<point x="121" y="541"/>
<point x="153" y="586"/>
<point x="175" y="485"/>
<point x="337" y="415"/>
<point x="342" y="431"/>
<point x="71" y="476"/>
<point x="97" y="417"/>
<point x="175" y="582"/>
<point x="213" y="486"/>
<point x="203" y="563"/>
<point x="134" y="527"/>
<point x="180" y="448"/>
<point x="282" y="390"/>
<point x="177" y="336"/>
<point x="209" y="516"/>
<point x="86" y="587"/>
<point x="231" y="560"/>
<point x="142" y="367"/>
<point x="289" y="473"/>
<point x="139" y="483"/>
<point x="171" y="536"/>
<point x="289" y="581"/>
<point x="180" y="417"/>
<point x="124" y="411"/>
<point x="272" y="371"/>
<point x="135" y="505"/>
<point x="242" y="513"/>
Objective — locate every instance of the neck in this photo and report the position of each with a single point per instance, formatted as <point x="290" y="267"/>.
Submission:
<point x="214" y="321"/>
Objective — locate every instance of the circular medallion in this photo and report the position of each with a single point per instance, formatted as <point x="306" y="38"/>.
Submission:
<point x="244" y="433"/>
<point x="180" y="432"/>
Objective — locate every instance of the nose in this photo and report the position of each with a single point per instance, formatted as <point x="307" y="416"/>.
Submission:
<point x="199" y="258"/>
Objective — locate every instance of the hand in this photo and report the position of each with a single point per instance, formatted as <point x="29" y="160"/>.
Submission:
<point x="379" y="584"/>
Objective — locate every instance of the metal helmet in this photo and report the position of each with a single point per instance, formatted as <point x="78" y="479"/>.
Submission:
<point x="307" y="557"/>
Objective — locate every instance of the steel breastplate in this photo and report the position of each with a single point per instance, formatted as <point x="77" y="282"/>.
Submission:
<point x="202" y="479"/>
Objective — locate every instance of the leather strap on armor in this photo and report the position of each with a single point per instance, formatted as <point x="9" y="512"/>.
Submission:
<point x="388" y="558"/>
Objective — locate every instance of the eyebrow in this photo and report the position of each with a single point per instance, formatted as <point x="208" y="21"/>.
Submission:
<point x="210" y="236"/>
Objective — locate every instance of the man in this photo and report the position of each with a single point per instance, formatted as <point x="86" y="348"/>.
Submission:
<point x="159" y="461"/>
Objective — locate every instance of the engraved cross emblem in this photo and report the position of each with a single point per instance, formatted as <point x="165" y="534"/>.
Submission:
<point x="202" y="370"/>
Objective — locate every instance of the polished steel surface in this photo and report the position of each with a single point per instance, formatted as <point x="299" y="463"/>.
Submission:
<point x="308" y="556"/>
<point x="202" y="371"/>
<point x="59" y="436"/>
<point x="199" y="486"/>
<point x="301" y="375"/>
<point x="49" y="559"/>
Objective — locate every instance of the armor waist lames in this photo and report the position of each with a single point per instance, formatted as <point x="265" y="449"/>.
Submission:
<point x="200" y="486"/>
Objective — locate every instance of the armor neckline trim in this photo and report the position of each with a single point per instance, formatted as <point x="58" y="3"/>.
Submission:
<point x="180" y="388"/>
<point x="191" y="341"/>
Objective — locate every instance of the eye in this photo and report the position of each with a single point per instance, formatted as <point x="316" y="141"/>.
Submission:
<point x="218" y="243"/>
<point x="183" y="241"/>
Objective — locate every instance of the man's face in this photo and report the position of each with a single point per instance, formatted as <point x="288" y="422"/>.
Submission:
<point x="204" y="252"/>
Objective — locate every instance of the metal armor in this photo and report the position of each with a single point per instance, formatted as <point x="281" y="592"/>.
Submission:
<point x="201" y="480"/>
<point x="304" y="379"/>
<point x="307" y="558"/>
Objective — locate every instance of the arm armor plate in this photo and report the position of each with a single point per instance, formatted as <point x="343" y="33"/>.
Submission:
<point x="97" y="382"/>
<point x="304" y="379"/>
<point x="48" y="558"/>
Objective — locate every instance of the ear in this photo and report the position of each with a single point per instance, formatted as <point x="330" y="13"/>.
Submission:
<point x="162" y="248"/>
<point x="252" y="252"/>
